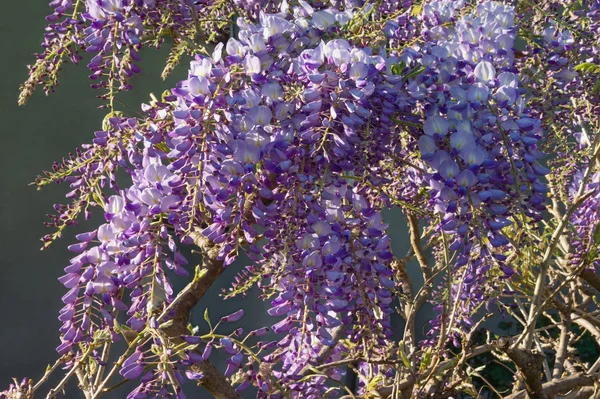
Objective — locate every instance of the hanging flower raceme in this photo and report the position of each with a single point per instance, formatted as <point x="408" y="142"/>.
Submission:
<point x="570" y="73"/>
<point x="299" y="117"/>
<point x="114" y="31"/>
<point x="585" y="222"/>
<point x="129" y="254"/>
<point x="478" y="142"/>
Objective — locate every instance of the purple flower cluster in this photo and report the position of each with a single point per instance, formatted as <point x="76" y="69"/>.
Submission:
<point x="585" y="221"/>
<point x="478" y="142"/>
<point x="130" y="251"/>
<point x="570" y="52"/>
<point x="161" y="381"/>
<point x="283" y="162"/>
<point x="114" y="36"/>
<point x="109" y="29"/>
<point x="91" y="168"/>
<point x="114" y="31"/>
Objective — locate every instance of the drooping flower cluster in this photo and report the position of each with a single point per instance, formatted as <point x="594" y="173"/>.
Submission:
<point x="568" y="48"/>
<point x="477" y="140"/>
<point x="133" y="248"/>
<point x="279" y="142"/>
<point x="297" y="152"/>
<point x="585" y="221"/>
<point x="114" y="31"/>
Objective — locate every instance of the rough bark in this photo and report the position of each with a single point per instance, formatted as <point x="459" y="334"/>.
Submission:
<point x="529" y="366"/>
<point x="591" y="278"/>
<point x="179" y="310"/>
<point x="560" y="386"/>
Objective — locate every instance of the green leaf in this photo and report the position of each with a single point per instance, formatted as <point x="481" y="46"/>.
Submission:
<point x="596" y="87"/>
<point x="416" y="11"/>
<point x="444" y="367"/>
<point x="588" y="67"/>
<point x="597" y="234"/>
<point x="128" y="333"/>
<point x="415" y="72"/>
<point x="199" y="273"/>
<point x="397" y="68"/>
<point x="206" y="318"/>
<point x="471" y="371"/>
<point x="162" y="146"/>
<point x="425" y="360"/>
<point x="405" y="360"/>
<point x="166" y="324"/>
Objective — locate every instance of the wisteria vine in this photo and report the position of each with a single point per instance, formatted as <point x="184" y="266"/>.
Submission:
<point x="299" y="124"/>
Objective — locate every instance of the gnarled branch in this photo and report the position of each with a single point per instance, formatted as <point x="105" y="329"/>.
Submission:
<point x="179" y="310"/>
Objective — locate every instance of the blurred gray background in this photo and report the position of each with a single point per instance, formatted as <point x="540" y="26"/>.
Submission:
<point x="34" y="136"/>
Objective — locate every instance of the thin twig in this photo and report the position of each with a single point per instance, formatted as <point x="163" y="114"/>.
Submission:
<point x="563" y="345"/>
<point x="541" y="280"/>
<point x="48" y="372"/>
<point x="55" y="391"/>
